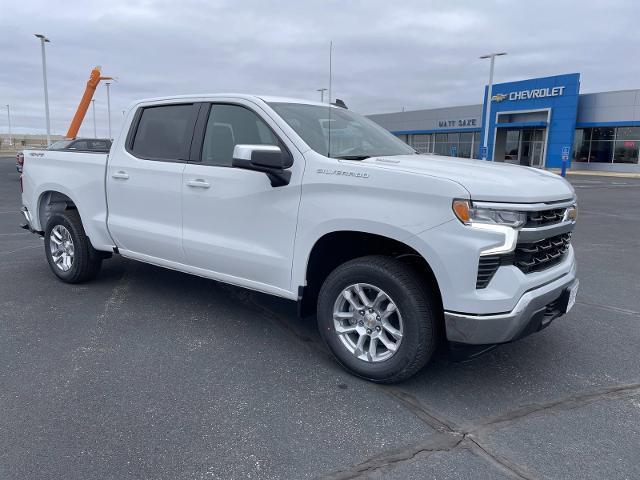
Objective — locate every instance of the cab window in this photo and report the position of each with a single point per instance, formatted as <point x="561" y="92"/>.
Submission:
<point x="231" y="125"/>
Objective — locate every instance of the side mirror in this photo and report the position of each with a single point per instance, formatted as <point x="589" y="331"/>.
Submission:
<point x="268" y="159"/>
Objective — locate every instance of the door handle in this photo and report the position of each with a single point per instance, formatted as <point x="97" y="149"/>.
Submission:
<point x="121" y="174"/>
<point x="198" y="182"/>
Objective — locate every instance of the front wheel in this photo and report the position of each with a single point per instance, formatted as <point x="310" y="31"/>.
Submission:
<point x="379" y="318"/>
<point x="69" y="252"/>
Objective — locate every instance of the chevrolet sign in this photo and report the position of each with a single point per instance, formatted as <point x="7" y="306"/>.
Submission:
<point x="529" y="94"/>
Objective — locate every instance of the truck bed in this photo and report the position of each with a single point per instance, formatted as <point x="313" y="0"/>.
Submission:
<point x="78" y="175"/>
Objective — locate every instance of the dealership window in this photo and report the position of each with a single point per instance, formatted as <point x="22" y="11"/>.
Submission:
<point x="603" y="133"/>
<point x="403" y="137"/>
<point x="440" y="145"/>
<point x="626" y="151"/>
<point x="581" y="144"/>
<point x="452" y="144"/>
<point x="512" y="146"/>
<point x="601" y="151"/>
<point x="607" y="145"/>
<point x="465" y="145"/>
<point x="626" y="145"/>
<point x="476" y="144"/>
<point x="422" y="142"/>
<point x="602" y="144"/>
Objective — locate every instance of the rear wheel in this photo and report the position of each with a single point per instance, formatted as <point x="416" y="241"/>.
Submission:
<point x="379" y="318"/>
<point x="69" y="252"/>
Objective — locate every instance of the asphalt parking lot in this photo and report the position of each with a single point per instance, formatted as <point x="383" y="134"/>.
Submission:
<point x="149" y="373"/>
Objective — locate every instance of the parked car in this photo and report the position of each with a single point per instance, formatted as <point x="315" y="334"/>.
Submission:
<point x="101" y="145"/>
<point x="394" y="250"/>
<point x="19" y="161"/>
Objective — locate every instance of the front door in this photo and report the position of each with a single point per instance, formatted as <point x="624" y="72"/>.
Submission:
<point x="237" y="226"/>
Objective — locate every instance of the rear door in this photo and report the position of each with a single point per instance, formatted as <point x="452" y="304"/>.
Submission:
<point x="235" y="224"/>
<point x="144" y="182"/>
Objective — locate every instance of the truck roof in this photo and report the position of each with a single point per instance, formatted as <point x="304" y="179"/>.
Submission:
<point x="213" y="96"/>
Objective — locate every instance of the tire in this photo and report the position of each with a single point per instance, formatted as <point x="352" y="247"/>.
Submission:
<point x="85" y="261"/>
<point x="416" y="317"/>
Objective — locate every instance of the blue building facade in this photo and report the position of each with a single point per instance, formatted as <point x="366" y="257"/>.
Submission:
<point x="538" y="114"/>
<point x="539" y="122"/>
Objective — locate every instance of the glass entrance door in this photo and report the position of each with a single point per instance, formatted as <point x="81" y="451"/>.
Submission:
<point x="532" y="147"/>
<point x="536" y="154"/>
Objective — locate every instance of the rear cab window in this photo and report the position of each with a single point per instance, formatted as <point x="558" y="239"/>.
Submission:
<point x="163" y="132"/>
<point x="99" y="145"/>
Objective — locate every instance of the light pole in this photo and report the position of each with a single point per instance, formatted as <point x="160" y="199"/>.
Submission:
<point x="321" y="90"/>
<point x="492" y="56"/>
<point x="93" y="107"/>
<point x="44" y="40"/>
<point x="108" y="108"/>
<point x="9" y="118"/>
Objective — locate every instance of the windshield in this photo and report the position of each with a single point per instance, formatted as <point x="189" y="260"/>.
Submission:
<point x="344" y="135"/>
<point x="60" y="145"/>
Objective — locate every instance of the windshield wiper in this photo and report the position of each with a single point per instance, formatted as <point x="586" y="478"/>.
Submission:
<point x="352" y="157"/>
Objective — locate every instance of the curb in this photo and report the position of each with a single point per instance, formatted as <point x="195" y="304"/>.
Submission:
<point x="598" y="173"/>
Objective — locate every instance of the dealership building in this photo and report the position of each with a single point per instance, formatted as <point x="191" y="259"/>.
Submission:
<point x="539" y="122"/>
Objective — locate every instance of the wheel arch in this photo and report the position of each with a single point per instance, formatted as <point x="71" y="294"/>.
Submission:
<point x="334" y="248"/>
<point x="51" y="202"/>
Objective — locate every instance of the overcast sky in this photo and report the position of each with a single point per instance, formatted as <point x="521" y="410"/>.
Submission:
<point x="387" y="55"/>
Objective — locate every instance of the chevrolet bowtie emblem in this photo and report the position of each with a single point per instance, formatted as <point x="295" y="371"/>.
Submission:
<point x="499" y="97"/>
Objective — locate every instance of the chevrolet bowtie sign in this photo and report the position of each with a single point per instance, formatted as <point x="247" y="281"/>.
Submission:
<point x="529" y="94"/>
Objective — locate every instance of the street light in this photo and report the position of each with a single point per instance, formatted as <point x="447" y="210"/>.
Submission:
<point x="93" y="107"/>
<point x="321" y="90"/>
<point x="9" y="118"/>
<point x="108" y="108"/>
<point x="492" y="56"/>
<point x="44" y="40"/>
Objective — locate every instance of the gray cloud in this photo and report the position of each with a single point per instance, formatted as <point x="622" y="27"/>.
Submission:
<point x="387" y="55"/>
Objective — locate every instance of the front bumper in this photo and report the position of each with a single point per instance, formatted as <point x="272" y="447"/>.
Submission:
<point x="535" y="310"/>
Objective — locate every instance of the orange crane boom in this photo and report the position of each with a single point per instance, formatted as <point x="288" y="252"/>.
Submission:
<point x="92" y="84"/>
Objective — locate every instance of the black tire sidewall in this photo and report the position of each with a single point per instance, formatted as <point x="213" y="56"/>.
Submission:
<point x="80" y="246"/>
<point x="418" y="321"/>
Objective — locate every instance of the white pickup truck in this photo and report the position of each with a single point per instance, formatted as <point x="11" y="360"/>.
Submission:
<point x="316" y="204"/>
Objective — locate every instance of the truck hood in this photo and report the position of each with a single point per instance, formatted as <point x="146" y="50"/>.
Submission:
<point x="486" y="181"/>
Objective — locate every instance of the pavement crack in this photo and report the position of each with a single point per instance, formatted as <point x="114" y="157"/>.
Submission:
<point x="566" y="403"/>
<point x="498" y="461"/>
<point x="474" y="434"/>
<point x="609" y="307"/>
<point x="416" y="407"/>
<point x="439" y="442"/>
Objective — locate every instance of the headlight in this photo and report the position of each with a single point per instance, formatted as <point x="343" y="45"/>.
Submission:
<point x="470" y="215"/>
<point x="571" y="213"/>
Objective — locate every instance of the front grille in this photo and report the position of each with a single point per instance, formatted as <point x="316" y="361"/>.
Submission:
<point x="544" y="217"/>
<point x="487" y="267"/>
<point x="537" y="256"/>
